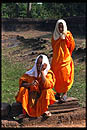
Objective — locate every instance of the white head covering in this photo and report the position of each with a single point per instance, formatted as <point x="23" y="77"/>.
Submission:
<point x="33" y="71"/>
<point x="56" y="33"/>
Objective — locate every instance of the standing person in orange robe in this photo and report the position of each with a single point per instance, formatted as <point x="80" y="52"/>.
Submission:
<point x="35" y="89"/>
<point x="62" y="63"/>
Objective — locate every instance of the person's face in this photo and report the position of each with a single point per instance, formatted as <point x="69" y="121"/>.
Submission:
<point x="39" y="63"/>
<point x="60" y="27"/>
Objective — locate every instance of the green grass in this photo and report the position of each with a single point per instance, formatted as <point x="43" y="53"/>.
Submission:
<point x="10" y="79"/>
<point x="78" y="89"/>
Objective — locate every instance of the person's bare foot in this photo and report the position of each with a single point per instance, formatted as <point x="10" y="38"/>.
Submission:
<point x="47" y="114"/>
<point x="21" y="116"/>
<point x="63" y="98"/>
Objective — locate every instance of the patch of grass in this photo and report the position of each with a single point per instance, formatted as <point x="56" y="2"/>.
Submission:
<point x="78" y="89"/>
<point x="10" y="79"/>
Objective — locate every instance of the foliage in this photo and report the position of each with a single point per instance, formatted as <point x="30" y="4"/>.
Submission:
<point x="44" y="10"/>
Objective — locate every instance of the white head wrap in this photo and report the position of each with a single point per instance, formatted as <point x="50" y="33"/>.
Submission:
<point x="33" y="71"/>
<point x="56" y="33"/>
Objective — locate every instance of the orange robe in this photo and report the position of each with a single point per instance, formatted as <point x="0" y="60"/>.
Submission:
<point x="62" y="64"/>
<point x="45" y="91"/>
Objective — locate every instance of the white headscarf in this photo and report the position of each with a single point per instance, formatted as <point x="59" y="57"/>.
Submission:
<point x="56" y="33"/>
<point x="33" y="71"/>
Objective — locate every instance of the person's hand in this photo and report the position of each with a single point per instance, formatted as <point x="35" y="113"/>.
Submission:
<point x="44" y="66"/>
<point x="35" y="83"/>
<point x="35" y="86"/>
<point x="62" y="35"/>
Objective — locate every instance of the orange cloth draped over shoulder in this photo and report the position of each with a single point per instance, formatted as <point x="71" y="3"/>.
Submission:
<point x="62" y="63"/>
<point x="46" y="94"/>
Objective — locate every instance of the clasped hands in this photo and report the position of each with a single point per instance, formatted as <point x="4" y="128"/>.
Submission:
<point x="62" y="35"/>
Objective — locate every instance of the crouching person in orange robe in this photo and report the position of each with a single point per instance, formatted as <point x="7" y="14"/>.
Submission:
<point x="62" y="63"/>
<point x="36" y="88"/>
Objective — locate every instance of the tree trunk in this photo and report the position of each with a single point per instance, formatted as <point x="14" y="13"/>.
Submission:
<point x="29" y="10"/>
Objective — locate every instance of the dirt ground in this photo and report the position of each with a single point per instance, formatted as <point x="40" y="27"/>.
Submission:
<point x="79" y="124"/>
<point x="70" y="119"/>
<point x="31" y="36"/>
<point x="34" y="42"/>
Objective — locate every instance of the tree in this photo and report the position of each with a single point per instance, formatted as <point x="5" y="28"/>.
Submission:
<point x="29" y="9"/>
<point x="44" y="10"/>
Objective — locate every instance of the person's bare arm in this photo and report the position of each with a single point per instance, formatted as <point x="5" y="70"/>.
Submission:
<point x="27" y="85"/>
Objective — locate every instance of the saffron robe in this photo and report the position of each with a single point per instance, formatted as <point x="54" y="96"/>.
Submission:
<point x="44" y="90"/>
<point x="62" y="63"/>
